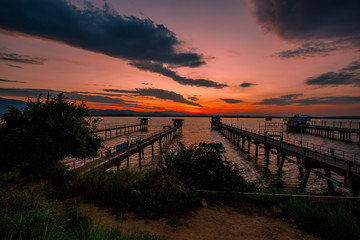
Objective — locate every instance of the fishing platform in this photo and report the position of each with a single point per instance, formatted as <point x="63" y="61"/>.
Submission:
<point x="300" y="124"/>
<point x="306" y="158"/>
<point x="115" y="158"/>
<point x="119" y="130"/>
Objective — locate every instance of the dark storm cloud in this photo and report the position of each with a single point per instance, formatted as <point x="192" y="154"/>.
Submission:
<point x="159" y="68"/>
<point x="231" y="101"/>
<point x="158" y="93"/>
<point x="311" y="21"/>
<point x="283" y="100"/>
<point x="14" y="66"/>
<point x="345" y="76"/>
<point x="14" y="57"/>
<point x="10" y="81"/>
<point x="295" y="100"/>
<point x="246" y="84"/>
<point x="34" y="93"/>
<point x="193" y="98"/>
<point x="311" y="49"/>
<point x="98" y="30"/>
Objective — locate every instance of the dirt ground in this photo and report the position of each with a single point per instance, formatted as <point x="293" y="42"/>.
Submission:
<point x="210" y="222"/>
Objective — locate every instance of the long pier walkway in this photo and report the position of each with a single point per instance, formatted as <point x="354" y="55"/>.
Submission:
<point x="324" y="130"/>
<point x="119" y="130"/>
<point x="307" y="159"/>
<point x="115" y="158"/>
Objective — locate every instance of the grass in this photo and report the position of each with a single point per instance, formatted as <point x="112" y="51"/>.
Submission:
<point x="27" y="213"/>
<point x="329" y="221"/>
<point x="147" y="193"/>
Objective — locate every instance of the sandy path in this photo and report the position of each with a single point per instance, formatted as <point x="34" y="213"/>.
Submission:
<point x="211" y="222"/>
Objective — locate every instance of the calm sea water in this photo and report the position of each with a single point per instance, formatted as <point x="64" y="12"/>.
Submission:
<point x="197" y="130"/>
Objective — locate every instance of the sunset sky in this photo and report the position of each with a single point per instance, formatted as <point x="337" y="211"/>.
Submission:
<point x="246" y="57"/>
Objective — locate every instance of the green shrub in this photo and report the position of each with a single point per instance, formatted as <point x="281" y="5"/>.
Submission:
<point x="145" y="192"/>
<point x="329" y="221"/>
<point x="204" y="167"/>
<point x="26" y="213"/>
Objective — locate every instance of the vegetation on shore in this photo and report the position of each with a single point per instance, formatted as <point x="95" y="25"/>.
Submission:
<point x="44" y="132"/>
<point x="30" y="209"/>
<point x="27" y="212"/>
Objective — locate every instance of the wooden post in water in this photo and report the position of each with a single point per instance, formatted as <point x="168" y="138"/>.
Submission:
<point x="301" y="171"/>
<point x="256" y="149"/>
<point x="329" y="183"/>
<point x="152" y="150"/>
<point x="282" y="161"/>
<point x="305" y="179"/>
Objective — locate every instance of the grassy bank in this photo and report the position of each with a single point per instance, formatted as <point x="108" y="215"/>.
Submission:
<point x="30" y="210"/>
<point x="27" y="212"/>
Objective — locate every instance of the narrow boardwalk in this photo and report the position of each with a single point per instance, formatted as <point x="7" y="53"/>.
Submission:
<point x="119" y="130"/>
<point x="347" y="166"/>
<point x="329" y="131"/>
<point x="116" y="158"/>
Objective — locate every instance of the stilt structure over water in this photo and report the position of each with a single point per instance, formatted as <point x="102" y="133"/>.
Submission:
<point x="299" y="124"/>
<point x="112" y="132"/>
<point x="116" y="158"/>
<point x="307" y="159"/>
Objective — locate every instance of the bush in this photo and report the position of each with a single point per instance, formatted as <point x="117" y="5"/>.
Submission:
<point x="26" y="213"/>
<point x="145" y="192"/>
<point x="329" y="221"/>
<point x="204" y="167"/>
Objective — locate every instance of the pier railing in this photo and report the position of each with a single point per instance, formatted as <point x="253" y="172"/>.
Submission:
<point x="345" y="161"/>
<point x="114" y="158"/>
<point x="339" y="154"/>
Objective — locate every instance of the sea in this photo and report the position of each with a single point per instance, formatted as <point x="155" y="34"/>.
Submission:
<point x="196" y="130"/>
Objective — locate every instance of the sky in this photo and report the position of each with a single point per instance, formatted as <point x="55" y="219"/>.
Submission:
<point x="243" y="57"/>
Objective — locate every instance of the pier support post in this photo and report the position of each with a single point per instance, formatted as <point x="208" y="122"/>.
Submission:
<point x="243" y="143"/>
<point x="127" y="161"/>
<point x="329" y="183"/>
<point x="301" y="170"/>
<point x="305" y="178"/>
<point x="249" y="141"/>
<point x="140" y="159"/>
<point x="281" y="164"/>
<point x="256" y="149"/>
<point x="152" y="150"/>
<point x="267" y="154"/>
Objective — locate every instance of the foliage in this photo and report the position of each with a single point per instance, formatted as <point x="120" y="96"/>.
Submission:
<point x="145" y="192"/>
<point x="329" y="221"/>
<point x="43" y="133"/>
<point x="203" y="166"/>
<point x="26" y="213"/>
<point x="169" y="190"/>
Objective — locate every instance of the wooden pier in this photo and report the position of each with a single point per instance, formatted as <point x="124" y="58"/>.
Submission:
<point x="307" y="159"/>
<point x="329" y="131"/>
<point x="121" y="130"/>
<point x="115" y="159"/>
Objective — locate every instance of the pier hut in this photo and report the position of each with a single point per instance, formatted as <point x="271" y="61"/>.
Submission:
<point x="296" y="123"/>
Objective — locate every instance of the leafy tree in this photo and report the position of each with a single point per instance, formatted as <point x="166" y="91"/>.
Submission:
<point x="43" y="133"/>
